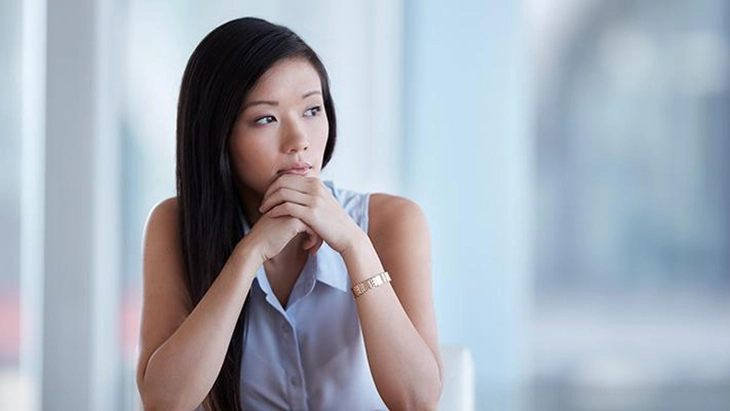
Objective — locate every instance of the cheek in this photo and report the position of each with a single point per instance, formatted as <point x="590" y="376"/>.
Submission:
<point x="321" y="132"/>
<point x="245" y="158"/>
<point x="250" y="158"/>
<point x="246" y="145"/>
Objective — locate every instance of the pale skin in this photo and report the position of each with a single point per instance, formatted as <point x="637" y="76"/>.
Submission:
<point x="283" y="121"/>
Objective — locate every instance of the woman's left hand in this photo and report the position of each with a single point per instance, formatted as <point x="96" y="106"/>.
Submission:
<point x="307" y="199"/>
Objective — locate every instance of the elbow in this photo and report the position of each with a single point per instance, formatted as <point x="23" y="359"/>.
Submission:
<point x="428" y="399"/>
<point x="425" y="400"/>
<point x="425" y="403"/>
<point x="155" y="402"/>
<point x="155" y="394"/>
<point x="429" y="402"/>
<point x="416" y="396"/>
<point x="149" y="404"/>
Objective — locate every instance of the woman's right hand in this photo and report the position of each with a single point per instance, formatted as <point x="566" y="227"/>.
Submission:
<point x="271" y="234"/>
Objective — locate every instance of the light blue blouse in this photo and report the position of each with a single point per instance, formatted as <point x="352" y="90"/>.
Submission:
<point x="309" y="355"/>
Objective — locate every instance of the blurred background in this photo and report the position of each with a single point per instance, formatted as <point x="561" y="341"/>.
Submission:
<point x="571" y="155"/>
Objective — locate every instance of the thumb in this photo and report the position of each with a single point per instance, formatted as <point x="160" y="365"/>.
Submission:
<point x="312" y="239"/>
<point x="316" y="247"/>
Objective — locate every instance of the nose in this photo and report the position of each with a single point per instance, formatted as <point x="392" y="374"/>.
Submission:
<point x="295" y="138"/>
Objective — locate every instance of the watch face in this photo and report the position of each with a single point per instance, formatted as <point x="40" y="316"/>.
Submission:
<point x="372" y="282"/>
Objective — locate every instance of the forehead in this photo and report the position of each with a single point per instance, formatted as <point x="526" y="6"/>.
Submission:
<point x="285" y="78"/>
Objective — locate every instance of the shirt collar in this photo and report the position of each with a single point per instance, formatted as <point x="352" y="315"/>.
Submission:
<point x="331" y="268"/>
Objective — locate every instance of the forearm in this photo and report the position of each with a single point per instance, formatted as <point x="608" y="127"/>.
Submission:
<point x="404" y="368"/>
<point x="181" y="372"/>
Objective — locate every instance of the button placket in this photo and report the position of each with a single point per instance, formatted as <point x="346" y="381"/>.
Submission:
<point x="294" y="370"/>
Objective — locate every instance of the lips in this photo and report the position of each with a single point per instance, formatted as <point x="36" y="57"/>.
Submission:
<point x="300" y="168"/>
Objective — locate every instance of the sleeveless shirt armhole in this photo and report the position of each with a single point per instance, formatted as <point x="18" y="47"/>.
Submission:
<point x="365" y="210"/>
<point x="356" y="204"/>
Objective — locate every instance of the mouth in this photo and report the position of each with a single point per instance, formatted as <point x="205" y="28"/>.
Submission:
<point x="298" y="171"/>
<point x="299" y="168"/>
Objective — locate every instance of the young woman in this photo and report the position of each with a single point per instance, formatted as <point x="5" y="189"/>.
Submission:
<point x="265" y="287"/>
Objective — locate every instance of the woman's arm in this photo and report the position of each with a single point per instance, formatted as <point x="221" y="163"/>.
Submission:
<point x="398" y="322"/>
<point x="182" y="350"/>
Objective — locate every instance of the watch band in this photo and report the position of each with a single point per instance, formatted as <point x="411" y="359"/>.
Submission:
<point x="375" y="281"/>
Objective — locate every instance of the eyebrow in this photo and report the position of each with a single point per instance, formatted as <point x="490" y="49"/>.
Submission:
<point x="276" y="103"/>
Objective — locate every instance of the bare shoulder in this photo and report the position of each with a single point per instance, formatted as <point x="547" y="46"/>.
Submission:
<point x="394" y="216"/>
<point x="161" y="243"/>
<point x="165" y="303"/>
<point x="162" y="217"/>
<point x="162" y="257"/>
<point x="399" y="232"/>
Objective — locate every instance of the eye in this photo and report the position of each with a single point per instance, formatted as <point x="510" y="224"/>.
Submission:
<point x="265" y="120"/>
<point x="313" y="111"/>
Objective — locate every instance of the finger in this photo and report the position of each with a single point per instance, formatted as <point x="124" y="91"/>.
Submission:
<point x="290" y="209"/>
<point x="293" y="181"/>
<point x="312" y="245"/>
<point x="304" y="184"/>
<point x="282" y="195"/>
<point x="314" y="250"/>
<point x="314" y="241"/>
<point x="311" y="240"/>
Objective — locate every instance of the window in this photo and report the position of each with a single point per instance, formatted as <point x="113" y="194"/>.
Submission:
<point x="19" y="378"/>
<point x="633" y="246"/>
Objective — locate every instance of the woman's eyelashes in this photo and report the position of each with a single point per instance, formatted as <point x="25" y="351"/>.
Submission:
<point x="310" y="112"/>
<point x="265" y="120"/>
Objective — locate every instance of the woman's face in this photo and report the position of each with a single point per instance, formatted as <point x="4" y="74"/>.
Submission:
<point x="282" y="123"/>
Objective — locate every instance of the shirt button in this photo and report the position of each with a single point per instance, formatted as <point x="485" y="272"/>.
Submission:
<point x="294" y="381"/>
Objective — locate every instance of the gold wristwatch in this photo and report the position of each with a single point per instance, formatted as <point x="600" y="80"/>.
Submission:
<point x="375" y="281"/>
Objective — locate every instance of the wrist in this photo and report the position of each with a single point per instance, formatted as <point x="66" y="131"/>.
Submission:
<point x="248" y="253"/>
<point x="355" y="242"/>
<point x="361" y="259"/>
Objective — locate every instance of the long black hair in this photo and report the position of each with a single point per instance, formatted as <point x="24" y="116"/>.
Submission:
<point x="219" y="75"/>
